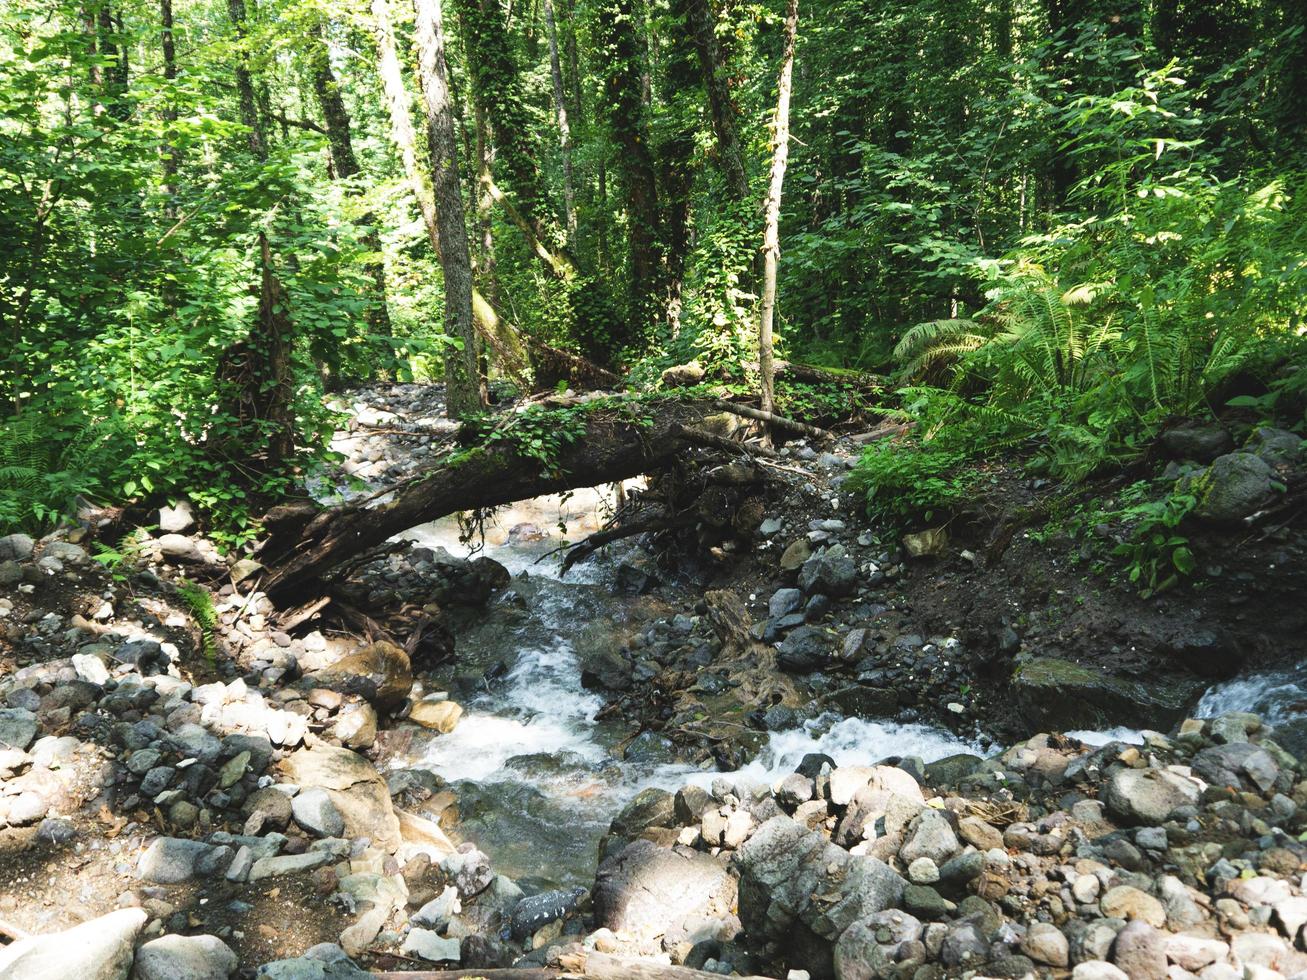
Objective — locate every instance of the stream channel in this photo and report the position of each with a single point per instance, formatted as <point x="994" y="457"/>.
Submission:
<point x="538" y="778"/>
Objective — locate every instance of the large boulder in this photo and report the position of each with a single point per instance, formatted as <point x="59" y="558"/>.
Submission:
<point x="1148" y="796"/>
<point x="1058" y="695"/>
<point x="1241" y="765"/>
<point x="380" y="673"/>
<point x="791" y="877"/>
<point x="353" y="786"/>
<point x="1234" y="486"/>
<point x="97" y="950"/>
<point x="647" y="890"/>
<point x="174" y="957"/>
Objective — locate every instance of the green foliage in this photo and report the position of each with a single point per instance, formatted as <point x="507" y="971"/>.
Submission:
<point x="1155" y="554"/>
<point x="199" y="603"/>
<point x="909" y="482"/>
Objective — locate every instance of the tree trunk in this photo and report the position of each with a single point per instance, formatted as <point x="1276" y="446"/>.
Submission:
<point x="613" y="448"/>
<point x="249" y="112"/>
<point x="720" y="104"/>
<point x="498" y="334"/>
<point x="623" y="80"/>
<point x="771" y="234"/>
<point x="462" y="387"/>
<point x="171" y="152"/>
<point x="345" y="164"/>
<point x="560" y="115"/>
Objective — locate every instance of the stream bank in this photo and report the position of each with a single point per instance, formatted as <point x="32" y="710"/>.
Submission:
<point x="595" y="715"/>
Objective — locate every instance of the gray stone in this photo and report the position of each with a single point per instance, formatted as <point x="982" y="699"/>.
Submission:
<point x="97" y="950"/>
<point x="170" y="860"/>
<point x="964" y="945"/>
<point x="1240" y="764"/>
<point x="436" y="913"/>
<point x="1233" y="487"/>
<point x="650" y="808"/>
<point x="175" y="957"/>
<point x="1140" y="950"/>
<point x="314" y="810"/>
<point x="932" y="838"/>
<point x="1278" y="447"/>
<point x="1202" y="443"/>
<point x="27" y="807"/>
<point x="789" y="873"/>
<point x="830" y="573"/>
<point x="1097" y="970"/>
<point x="177" y="546"/>
<point x="17" y="728"/>
<point x="1044" y="943"/>
<point x="805" y="650"/>
<point x="1052" y="694"/>
<point x="289" y="864"/>
<point x="177" y="519"/>
<point x="429" y="946"/>
<point x="16" y="547"/>
<point x="783" y="602"/>
<point x="647" y="890"/>
<point x="1148" y="796"/>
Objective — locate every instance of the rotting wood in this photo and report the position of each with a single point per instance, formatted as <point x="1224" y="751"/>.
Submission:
<point x="732" y="446"/>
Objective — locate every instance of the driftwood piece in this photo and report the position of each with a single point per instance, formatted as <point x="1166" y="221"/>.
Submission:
<point x="614" y="448"/>
<point x="771" y="418"/>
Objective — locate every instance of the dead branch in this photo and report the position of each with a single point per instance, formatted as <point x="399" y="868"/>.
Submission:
<point x="771" y="418"/>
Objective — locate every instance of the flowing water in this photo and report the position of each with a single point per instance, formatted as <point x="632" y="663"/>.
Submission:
<point x="538" y="778"/>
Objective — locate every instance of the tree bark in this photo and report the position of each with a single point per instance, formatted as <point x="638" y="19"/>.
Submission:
<point x="614" y="448"/>
<point x="345" y="164"/>
<point x="462" y="388"/>
<point x="560" y="116"/>
<point x="498" y="334"/>
<point x="256" y="140"/>
<point x="771" y="233"/>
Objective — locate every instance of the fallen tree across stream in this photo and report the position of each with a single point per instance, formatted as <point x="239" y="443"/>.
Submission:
<point x="621" y="440"/>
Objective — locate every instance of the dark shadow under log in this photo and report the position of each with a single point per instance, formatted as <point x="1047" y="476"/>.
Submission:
<point x="619" y="444"/>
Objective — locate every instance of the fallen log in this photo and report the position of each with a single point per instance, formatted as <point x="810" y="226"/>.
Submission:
<point x="771" y="418"/>
<point x="618" y="444"/>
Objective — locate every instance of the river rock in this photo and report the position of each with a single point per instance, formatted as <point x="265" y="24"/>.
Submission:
<point x="536" y="911"/>
<point x="932" y="838"/>
<point x="326" y="961"/>
<point x="1140" y="950"/>
<point x="649" y="891"/>
<point x="1202" y="443"/>
<point x="1044" y="943"/>
<point x="18" y="728"/>
<point x="353" y="785"/>
<point x="436" y="913"/>
<point x="171" y="860"/>
<point x="1128" y="902"/>
<point x="380" y="672"/>
<point x="440" y="716"/>
<point x="784" y="866"/>
<point x="830" y="572"/>
<point x="430" y="946"/>
<point x="1240" y="764"/>
<point x="97" y="950"/>
<point x="174" y="957"/>
<point x="805" y="650"/>
<point x="176" y="519"/>
<point x="314" y="810"/>
<point x="1278" y="447"/>
<point x="1148" y="796"/>
<point x="16" y="547"/>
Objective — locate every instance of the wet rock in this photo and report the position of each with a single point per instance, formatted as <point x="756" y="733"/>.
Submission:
<point x="440" y="716"/>
<point x="1202" y="443"/>
<point x="608" y="671"/>
<point x="97" y="950"/>
<point x="650" y="808"/>
<point x="859" y="701"/>
<point x="1278" y="447"/>
<point x="805" y="650"/>
<point x="184" y="958"/>
<point x="830" y="572"/>
<point x="536" y="911"/>
<point x="647" y="890"/>
<point x="1053" y="695"/>
<point x="795" y="555"/>
<point x="1148" y="796"/>
<point x="784" y="602"/>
